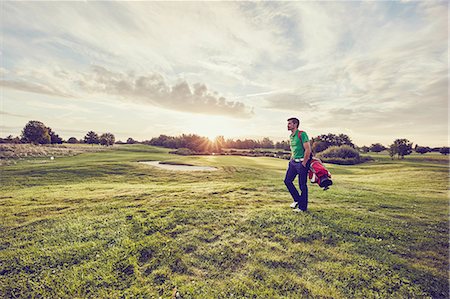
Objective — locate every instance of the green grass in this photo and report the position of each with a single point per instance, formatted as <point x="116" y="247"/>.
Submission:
<point x="101" y="225"/>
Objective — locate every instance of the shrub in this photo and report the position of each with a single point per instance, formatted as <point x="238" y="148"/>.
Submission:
<point x="72" y="140"/>
<point x="344" y="154"/>
<point x="422" y="149"/>
<point x="322" y="142"/>
<point x="377" y="147"/>
<point x="319" y="146"/>
<point x="183" y="152"/>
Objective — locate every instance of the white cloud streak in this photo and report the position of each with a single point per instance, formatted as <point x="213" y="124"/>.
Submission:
<point x="33" y="87"/>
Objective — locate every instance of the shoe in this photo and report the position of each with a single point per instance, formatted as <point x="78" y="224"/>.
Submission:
<point x="298" y="210"/>
<point x="294" y="205"/>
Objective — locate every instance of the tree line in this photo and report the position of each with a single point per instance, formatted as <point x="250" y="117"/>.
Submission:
<point x="38" y="133"/>
<point x="202" y="144"/>
<point x="400" y="147"/>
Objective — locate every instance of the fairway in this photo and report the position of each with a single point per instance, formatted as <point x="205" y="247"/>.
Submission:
<point x="103" y="225"/>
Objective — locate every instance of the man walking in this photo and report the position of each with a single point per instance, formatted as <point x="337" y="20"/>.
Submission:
<point x="298" y="165"/>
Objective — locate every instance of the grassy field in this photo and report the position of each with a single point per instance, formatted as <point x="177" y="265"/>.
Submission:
<point x="12" y="153"/>
<point x="101" y="225"/>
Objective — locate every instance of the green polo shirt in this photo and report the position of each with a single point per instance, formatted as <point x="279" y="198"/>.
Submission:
<point x="297" y="150"/>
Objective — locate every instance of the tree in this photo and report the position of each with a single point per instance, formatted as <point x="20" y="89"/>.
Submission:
<point x="91" y="138"/>
<point x="422" y="149"/>
<point x="401" y="147"/>
<point x="72" y="140"/>
<point x="284" y="145"/>
<point x="131" y="141"/>
<point x="54" y="138"/>
<point x="392" y="151"/>
<point x="194" y="142"/>
<point x="250" y="143"/>
<point x="364" y="149"/>
<point x="267" y="143"/>
<point x="162" y="140"/>
<point x="218" y="144"/>
<point x="444" y="150"/>
<point x="10" y="139"/>
<point x="107" y="139"/>
<point x="36" y="132"/>
<point x="377" y="147"/>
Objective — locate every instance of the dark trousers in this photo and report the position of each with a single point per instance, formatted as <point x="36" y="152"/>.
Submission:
<point x="294" y="169"/>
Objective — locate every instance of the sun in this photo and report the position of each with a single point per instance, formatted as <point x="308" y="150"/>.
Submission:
<point x="210" y="135"/>
<point x="214" y="126"/>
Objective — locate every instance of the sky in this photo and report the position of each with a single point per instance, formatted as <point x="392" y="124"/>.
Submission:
<point x="376" y="71"/>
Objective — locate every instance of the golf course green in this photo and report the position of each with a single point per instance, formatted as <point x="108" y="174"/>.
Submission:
<point x="103" y="225"/>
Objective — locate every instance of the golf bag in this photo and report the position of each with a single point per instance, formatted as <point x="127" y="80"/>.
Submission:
<point x="319" y="174"/>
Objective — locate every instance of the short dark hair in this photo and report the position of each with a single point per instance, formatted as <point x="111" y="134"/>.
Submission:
<point x="294" y="120"/>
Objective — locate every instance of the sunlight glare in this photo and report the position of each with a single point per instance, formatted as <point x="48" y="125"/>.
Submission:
<point x="214" y="126"/>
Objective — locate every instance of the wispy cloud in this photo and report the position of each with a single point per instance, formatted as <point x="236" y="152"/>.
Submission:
<point x="12" y="114"/>
<point x="286" y="101"/>
<point x="33" y="87"/>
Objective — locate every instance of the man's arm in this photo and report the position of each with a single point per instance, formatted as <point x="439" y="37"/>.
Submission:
<point x="307" y="147"/>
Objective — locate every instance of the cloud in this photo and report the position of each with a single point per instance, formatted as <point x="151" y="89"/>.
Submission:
<point x="3" y="71"/>
<point x="411" y="115"/>
<point x="149" y="89"/>
<point x="11" y="114"/>
<point x="224" y="48"/>
<point x="8" y="129"/>
<point x="370" y="67"/>
<point x="287" y="101"/>
<point x="384" y="71"/>
<point x="152" y="89"/>
<point x="34" y="87"/>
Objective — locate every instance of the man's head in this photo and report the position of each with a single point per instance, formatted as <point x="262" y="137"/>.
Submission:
<point x="293" y="123"/>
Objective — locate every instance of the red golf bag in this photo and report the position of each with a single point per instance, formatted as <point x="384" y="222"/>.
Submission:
<point x="319" y="174"/>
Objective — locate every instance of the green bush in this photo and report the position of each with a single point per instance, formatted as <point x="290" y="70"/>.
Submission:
<point x="344" y="155"/>
<point x="183" y="152"/>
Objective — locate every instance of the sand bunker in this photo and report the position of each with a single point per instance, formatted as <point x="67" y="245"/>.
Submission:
<point x="178" y="167"/>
